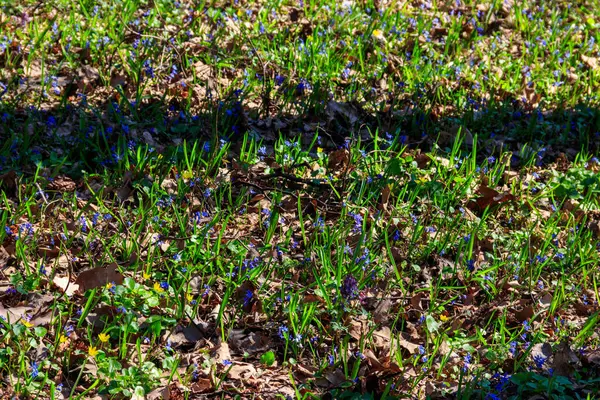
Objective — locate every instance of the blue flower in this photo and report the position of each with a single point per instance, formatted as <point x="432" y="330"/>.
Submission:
<point x="34" y="370"/>
<point x="349" y="288"/>
<point x="539" y="360"/>
<point x="471" y="265"/>
<point x="279" y="80"/>
<point x="248" y="297"/>
<point x="319" y="223"/>
<point x="283" y="332"/>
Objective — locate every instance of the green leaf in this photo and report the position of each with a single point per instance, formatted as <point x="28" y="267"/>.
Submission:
<point x="40" y="331"/>
<point x="432" y="324"/>
<point x="268" y="358"/>
<point x="395" y="167"/>
<point x="589" y="326"/>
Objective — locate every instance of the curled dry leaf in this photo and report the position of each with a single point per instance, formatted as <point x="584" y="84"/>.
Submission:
<point x="62" y="184"/>
<point x="242" y="371"/>
<point x="338" y="160"/>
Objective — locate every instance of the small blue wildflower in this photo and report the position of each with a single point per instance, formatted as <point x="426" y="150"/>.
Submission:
<point x="248" y="297"/>
<point x="471" y="265"/>
<point x="539" y="360"/>
<point x="349" y="287"/>
<point x="283" y="332"/>
<point x="34" y="370"/>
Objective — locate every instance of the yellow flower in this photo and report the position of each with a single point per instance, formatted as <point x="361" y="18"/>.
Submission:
<point x="189" y="297"/>
<point x="62" y="339"/>
<point x="109" y="285"/>
<point x="187" y="174"/>
<point x="240" y="13"/>
<point x="157" y="287"/>
<point x="27" y="323"/>
<point x="319" y="149"/>
<point x="444" y="318"/>
<point x="377" y="34"/>
<point x="103" y="337"/>
<point x="92" y="351"/>
<point x="146" y="275"/>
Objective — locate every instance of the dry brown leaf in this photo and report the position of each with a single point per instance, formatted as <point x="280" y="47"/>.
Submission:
<point x="415" y="301"/>
<point x="488" y="197"/>
<point x="385" y="198"/>
<point x="8" y="183"/>
<point x="382" y="337"/>
<point x="99" y="276"/>
<point x="405" y="343"/>
<point x="242" y="371"/>
<point x="591" y="62"/>
<point x="381" y="314"/>
<point x="203" y="385"/>
<point x="565" y="360"/>
<point x="161" y="393"/>
<point x="523" y="313"/>
<point x="13" y="314"/>
<point x="62" y="184"/>
<point x="338" y="160"/>
<point x="63" y="282"/>
<point x="221" y="352"/>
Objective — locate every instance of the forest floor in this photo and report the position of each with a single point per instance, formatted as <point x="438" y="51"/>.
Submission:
<point x="318" y="199"/>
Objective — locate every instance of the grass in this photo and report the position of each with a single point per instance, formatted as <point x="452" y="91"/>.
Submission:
<point x="277" y="199"/>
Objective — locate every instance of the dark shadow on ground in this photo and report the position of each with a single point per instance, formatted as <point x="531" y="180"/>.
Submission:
<point x="92" y="136"/>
